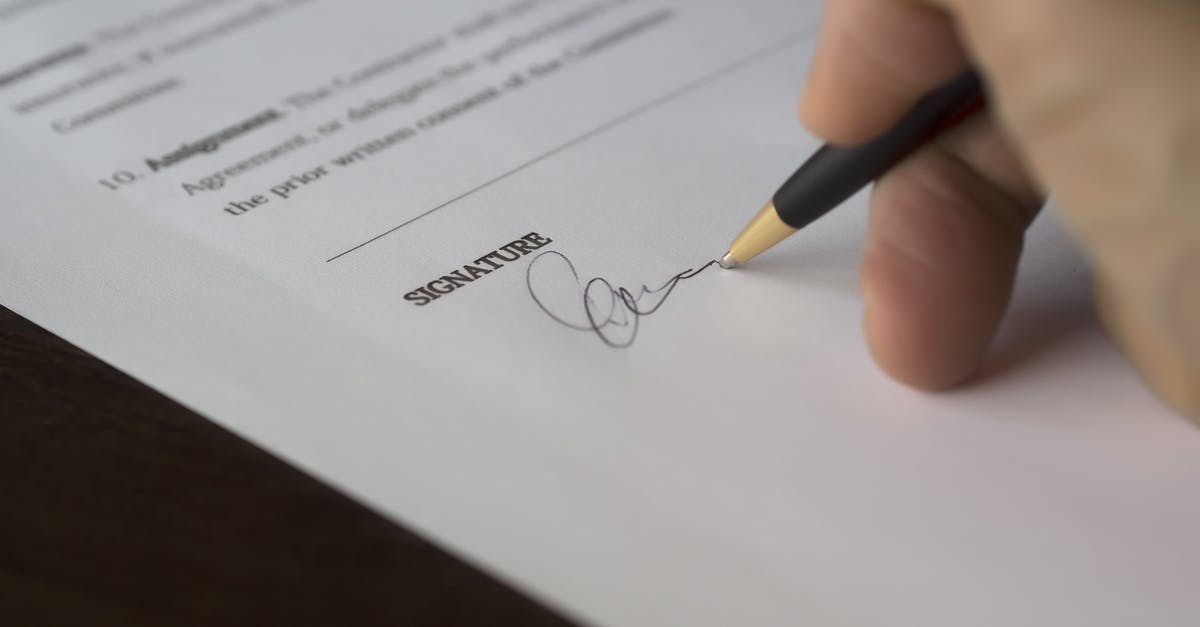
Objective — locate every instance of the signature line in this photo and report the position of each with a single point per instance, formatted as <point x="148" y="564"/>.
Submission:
<point x="625" y="117"/>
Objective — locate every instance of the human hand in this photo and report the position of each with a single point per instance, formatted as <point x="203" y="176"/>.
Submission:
<point x="1095" y="102"/>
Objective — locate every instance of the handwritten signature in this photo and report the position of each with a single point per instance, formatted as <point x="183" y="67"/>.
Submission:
<point x="612" y="313"/>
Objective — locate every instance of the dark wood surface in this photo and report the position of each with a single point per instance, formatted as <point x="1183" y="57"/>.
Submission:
<point x="121" y="507"/>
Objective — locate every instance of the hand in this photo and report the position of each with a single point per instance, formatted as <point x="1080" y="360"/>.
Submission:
<point x="1095" y="102"/>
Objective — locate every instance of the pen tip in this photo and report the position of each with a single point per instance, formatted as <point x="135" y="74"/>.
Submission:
<point x="728" y="262"/>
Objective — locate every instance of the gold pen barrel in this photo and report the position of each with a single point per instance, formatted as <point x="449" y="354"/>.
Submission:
<point x="763" y="232"/>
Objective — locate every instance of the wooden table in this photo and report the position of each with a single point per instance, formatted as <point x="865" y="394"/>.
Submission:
<point x="121" y="507"/>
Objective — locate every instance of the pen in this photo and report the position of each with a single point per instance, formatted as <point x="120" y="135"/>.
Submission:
<point x="835" y="173"/>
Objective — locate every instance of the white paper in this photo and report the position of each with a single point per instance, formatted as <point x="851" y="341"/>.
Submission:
<point x="742" y="462"/>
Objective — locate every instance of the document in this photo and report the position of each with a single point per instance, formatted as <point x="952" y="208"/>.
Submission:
<point x="456" y="259"/>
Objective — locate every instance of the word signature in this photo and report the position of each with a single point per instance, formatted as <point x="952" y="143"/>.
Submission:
<point x="612" y="313"/>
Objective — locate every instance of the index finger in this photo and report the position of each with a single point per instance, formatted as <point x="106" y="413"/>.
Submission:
<point x="874" y="60"/>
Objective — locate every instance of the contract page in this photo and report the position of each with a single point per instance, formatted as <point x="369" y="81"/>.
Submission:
<point x="456" y="259"/>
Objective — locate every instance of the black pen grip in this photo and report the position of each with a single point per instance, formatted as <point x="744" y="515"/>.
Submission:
<point x="835" y="173"/>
